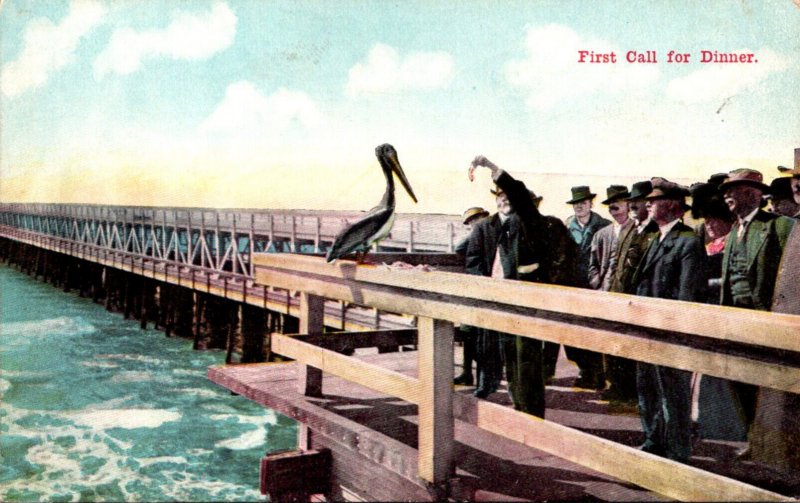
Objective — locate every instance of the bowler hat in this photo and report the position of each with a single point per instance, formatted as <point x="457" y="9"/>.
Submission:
<point x="474" y="214"/>
<point x="639" y="190"/>
<point x="781" y="188"/>
<point x="581" y="193"/>
<point x="744" y="176"/>
<point x="615" y="192"/>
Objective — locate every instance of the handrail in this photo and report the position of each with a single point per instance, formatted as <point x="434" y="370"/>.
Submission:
<point x="643" y="329"/>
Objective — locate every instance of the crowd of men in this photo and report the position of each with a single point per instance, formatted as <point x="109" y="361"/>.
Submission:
<point x="740" y="255"/>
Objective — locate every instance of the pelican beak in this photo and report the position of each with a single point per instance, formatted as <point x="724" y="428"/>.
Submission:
<point x="398" y="170"/>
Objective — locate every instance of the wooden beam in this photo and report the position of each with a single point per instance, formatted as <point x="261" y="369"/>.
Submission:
<point x="371" y="376"/>
<point x="341" y="341"/>
<point x="717" y="322"/>
<point x="312" y="312"/>
<point x="435" y="400"/>
<point x="664" y="476"/>
<point x="671" y="352"/>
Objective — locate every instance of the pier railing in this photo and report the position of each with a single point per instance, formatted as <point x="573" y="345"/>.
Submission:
<point x="743" y="345"/>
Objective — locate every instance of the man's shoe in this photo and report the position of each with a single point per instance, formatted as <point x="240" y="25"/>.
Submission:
<point x="483" y="392"/>
<point x="464" y="379"/>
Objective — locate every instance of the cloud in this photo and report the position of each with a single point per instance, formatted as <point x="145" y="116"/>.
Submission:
<point x="189" y="36"/>
<point x="244" y="109"/>
<point x="723" y="80"/>
<point x="385" y="71"/>
<point x="49" y="47"/>
<point x="550" y="72"/>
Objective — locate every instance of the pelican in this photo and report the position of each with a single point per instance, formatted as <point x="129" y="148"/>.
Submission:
<point x="376" y="224"/>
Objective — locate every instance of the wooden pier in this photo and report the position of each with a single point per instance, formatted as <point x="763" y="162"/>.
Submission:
<point x="426" y="460"/>
<point x="389" y="425"/>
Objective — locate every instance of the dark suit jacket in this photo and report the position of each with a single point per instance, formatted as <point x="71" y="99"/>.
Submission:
<point x="541" y="248"/>
<point x="766" y="239"/>
<point x="626" y="256"/>
<point x="482" y="246"/>
<point x="673" y="268"/>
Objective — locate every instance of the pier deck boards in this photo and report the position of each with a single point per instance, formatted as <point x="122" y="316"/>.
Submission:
<point x="382" y="429"/>
<point x="361" y="425"/>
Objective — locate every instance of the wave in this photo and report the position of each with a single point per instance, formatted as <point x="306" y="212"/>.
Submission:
<point x="62" y="325"/>
<point x="123" y="418"/>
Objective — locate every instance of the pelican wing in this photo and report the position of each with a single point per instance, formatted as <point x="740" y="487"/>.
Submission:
<point x="360" y="235"/>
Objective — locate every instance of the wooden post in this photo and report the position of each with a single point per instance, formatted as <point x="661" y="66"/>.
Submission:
<point x="312" y="307"/>
<point x="435" y="341"/>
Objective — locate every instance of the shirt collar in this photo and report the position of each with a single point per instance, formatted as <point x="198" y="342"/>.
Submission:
<point x="664" y="229"/>
<point x="749" y="218"/>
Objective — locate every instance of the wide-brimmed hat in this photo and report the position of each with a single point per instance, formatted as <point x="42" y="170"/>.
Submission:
<point x="581" y="193"/>
<point x="474" y="213"/>
<point x="664" y="189"/>
<point x="744" y="176"/>
<point x="616" y="192"/>
<point x="707" y="200"/>
<point x="639" y="190"/>
<point x="789" y="171"/>
<point x="781" y="188"/>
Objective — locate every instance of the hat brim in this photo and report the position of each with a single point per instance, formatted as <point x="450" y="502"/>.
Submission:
<point x="619" y="197"/>
<point x="732" y="183"/>
<point x="590" y="196"/>
<point x="475" y="216"/>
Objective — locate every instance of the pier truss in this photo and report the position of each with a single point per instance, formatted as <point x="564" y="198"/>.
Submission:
<point x="209" y="250"/>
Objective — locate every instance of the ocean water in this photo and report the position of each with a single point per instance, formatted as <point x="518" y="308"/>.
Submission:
<point x="94" y="409"/>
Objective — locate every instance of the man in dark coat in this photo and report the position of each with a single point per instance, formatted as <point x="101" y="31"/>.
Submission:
<point x="583" y="226"/>
<point x="484" y="258"/>
<point x="751" y="260"/>
<point x="538" y="249"/>
<point x="672" y="268"/>
<point x="625" y="258"/>
<point x="468" y="334"/>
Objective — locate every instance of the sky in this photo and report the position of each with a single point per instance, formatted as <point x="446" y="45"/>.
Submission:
<point x="280" y="104"/>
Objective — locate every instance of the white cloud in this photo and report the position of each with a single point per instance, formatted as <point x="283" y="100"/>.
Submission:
<point x="49" y="47"/>
<point x="723" y="80"/>
<point x="551" y="73"/>
<point x="385" y="71"/>
<point x="189" y="36"/>
<point x="247" y="111"/>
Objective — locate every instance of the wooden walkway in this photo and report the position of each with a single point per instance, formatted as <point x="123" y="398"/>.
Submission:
<point x="361" y="425"/>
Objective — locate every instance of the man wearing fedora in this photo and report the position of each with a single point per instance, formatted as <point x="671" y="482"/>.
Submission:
<point x="606" y="238"/>
<point x="468" y="333"/>
<point x="625" y="257"/>
<point x="751" y="259"/>
<point x="775" y="435"/>
<point x="672" y="268"/>
<point x="582" y="226"/>
<point x="537" y="248"/>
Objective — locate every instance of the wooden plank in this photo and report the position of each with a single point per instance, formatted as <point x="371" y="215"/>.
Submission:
<point x="312" y="311"/>
<point x="718" y="322"/>
<point x="664" y="476"/>
<point x="366" y="374"/>
<point x="435" y="399"/>
<point x="341" y="341"/>
<point x="526" y="324"/>
<point x="301" y="472"/>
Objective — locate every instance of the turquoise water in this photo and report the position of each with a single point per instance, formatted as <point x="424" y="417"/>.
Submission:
<point x="95" y="409"/>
